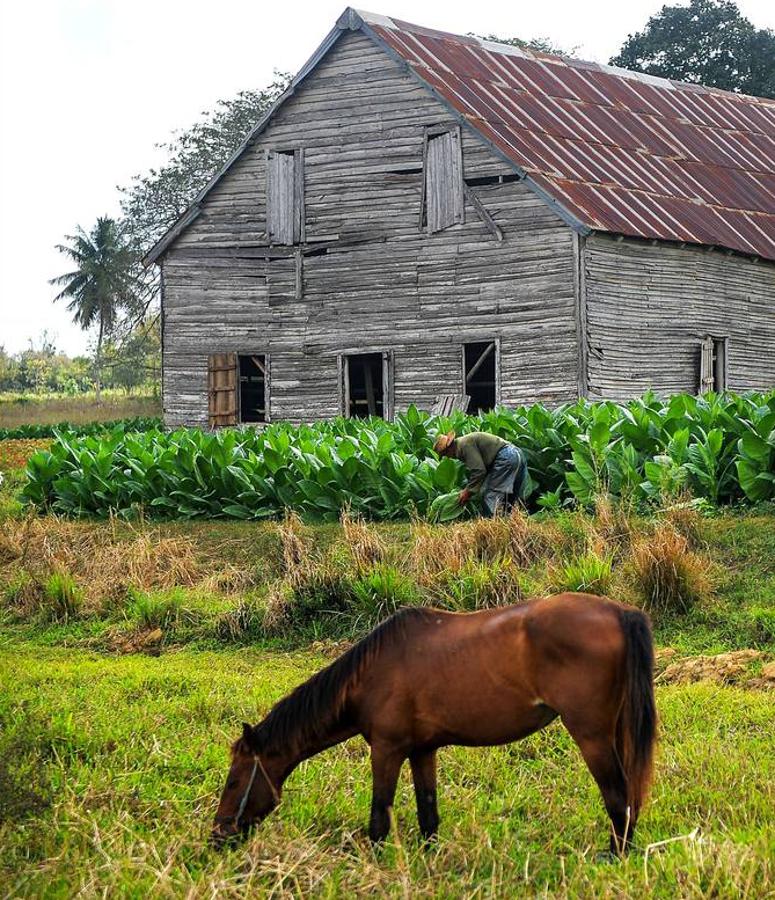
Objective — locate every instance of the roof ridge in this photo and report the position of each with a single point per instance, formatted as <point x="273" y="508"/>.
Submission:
<point x="542" y="56"/>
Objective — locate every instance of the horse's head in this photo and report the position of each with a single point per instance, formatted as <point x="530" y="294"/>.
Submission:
<point x="250" y="793"/>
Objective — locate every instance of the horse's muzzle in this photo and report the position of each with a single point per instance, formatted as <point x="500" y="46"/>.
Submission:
<point x="223" y="834"/>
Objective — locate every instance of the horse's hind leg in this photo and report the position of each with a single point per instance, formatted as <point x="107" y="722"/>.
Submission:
<point x="386" y="764"/>
<point x="424" y="774"/>
<point x="600" y="756"/>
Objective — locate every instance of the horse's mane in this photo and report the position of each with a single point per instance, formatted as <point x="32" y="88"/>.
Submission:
<point x="313" y="709"/>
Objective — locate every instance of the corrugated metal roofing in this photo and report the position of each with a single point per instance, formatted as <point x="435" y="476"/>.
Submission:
<point x="619" y="151"/>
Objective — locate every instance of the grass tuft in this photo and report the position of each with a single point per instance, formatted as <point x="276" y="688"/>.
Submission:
<point x="590" y="573"/>
<point x="62" y="598"/>
<point x="363" y="541"/>
<point x="669" y="576"/>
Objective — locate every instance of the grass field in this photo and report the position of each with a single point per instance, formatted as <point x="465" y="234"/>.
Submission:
<point x="16" y="409"/>
<point x="130" y="653"/>
<point x="111" y="767"/>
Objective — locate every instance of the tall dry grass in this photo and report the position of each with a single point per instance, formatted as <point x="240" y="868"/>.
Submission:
<point x="363" y="541"/>
<point x="103" y="563"/>
<point x="77" y="410"/>
<point x="670" y="577"/>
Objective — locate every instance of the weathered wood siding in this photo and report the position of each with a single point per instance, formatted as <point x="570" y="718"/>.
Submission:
<point x="650" y="305"/>
<point x="360" y="121"/>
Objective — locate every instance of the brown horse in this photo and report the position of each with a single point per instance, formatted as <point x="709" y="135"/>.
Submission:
<point x="426" y="678"/>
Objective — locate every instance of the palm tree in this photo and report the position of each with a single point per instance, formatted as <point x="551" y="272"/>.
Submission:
<point x="102" y="283"/>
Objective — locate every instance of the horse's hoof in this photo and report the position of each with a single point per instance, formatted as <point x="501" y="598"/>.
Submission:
<point x="603" y="857"/>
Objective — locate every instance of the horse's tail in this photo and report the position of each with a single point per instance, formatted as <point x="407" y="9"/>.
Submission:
<point x="636" y="729"/>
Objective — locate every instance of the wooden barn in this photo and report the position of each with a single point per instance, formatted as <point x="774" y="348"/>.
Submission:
<point x="424" y="216"/>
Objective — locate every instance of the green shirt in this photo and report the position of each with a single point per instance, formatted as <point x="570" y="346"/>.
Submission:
<point x="477" y="452"/>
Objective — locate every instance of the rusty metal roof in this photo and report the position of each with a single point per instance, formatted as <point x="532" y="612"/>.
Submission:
<point x="619" y="151"/>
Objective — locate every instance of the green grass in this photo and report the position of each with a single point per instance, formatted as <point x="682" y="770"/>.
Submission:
<point x="110" y="769"/>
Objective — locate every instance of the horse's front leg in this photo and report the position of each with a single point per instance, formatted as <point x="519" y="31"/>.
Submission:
<point x="386" y="762"/>
<point x="424" y="774"/>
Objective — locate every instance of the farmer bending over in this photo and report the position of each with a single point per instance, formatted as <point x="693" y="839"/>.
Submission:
<point x="496" y="468"/>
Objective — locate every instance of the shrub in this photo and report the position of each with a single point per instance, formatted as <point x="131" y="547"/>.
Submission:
<point x="670" y="577"/>
<point x="135" y="423"/>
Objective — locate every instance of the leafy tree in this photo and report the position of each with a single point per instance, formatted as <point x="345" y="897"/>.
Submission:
<point x="153" y="201"/>
<point x="102" y="284"/>
<point x="135" y="359"/>
<point x="707" y="42"/>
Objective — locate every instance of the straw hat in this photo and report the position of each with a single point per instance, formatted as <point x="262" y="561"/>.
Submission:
<point x="443" y="441"/>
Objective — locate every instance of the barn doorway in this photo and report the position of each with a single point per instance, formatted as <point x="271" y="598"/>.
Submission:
<point x="480" y="375"/>
<point x="252" y="388"/>
<point x="364" y="376"/>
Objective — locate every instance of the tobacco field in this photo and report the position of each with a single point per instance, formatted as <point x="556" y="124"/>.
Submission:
<point x="720" y="448"/>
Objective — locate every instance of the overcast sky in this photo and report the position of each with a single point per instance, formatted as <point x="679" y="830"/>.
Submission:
<point x="87" y="87"/>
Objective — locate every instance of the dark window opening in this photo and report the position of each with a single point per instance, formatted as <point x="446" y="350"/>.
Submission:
<point x="252" y="388"/>
<point x="479" y="366"/>
<point x="713" y="365"/>
<point x="364" y="385"/>
<point x="492" y="179"/>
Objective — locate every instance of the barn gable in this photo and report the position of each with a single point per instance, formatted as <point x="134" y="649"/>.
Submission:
<point x="608" y="150"/>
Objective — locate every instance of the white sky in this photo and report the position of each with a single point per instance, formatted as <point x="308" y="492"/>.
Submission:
<point x="87" y="87"/>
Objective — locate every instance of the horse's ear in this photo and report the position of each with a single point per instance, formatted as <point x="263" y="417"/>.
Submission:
<point x="247" y="733"/>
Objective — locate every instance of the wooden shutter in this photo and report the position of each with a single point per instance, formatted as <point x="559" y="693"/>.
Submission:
<point x="285" y="197"/>
<point x="444" y="204"/>
<point x="222" y="389"/>
<point x="279" y="197"/>
<point x="706" y="365"/>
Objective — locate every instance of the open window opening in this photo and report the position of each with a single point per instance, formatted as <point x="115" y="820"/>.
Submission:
<point x="252" y="388"/>
<point x="480" y="375"/>
<point x="484" y="180"/>
<point x="364" y="376"/>
<point x="713" y="364"/>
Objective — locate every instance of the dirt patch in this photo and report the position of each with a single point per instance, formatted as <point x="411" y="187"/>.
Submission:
<point x="738" y="667"/>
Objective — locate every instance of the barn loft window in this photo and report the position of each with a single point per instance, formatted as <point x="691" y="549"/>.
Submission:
<point x="285" y="196"/>
<point x="366" y="385"/>
<point x="238" y="388"/>
<point x="713" y="364"/>
<point x="480" y="375"/>
<point x="443" y="203"/>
